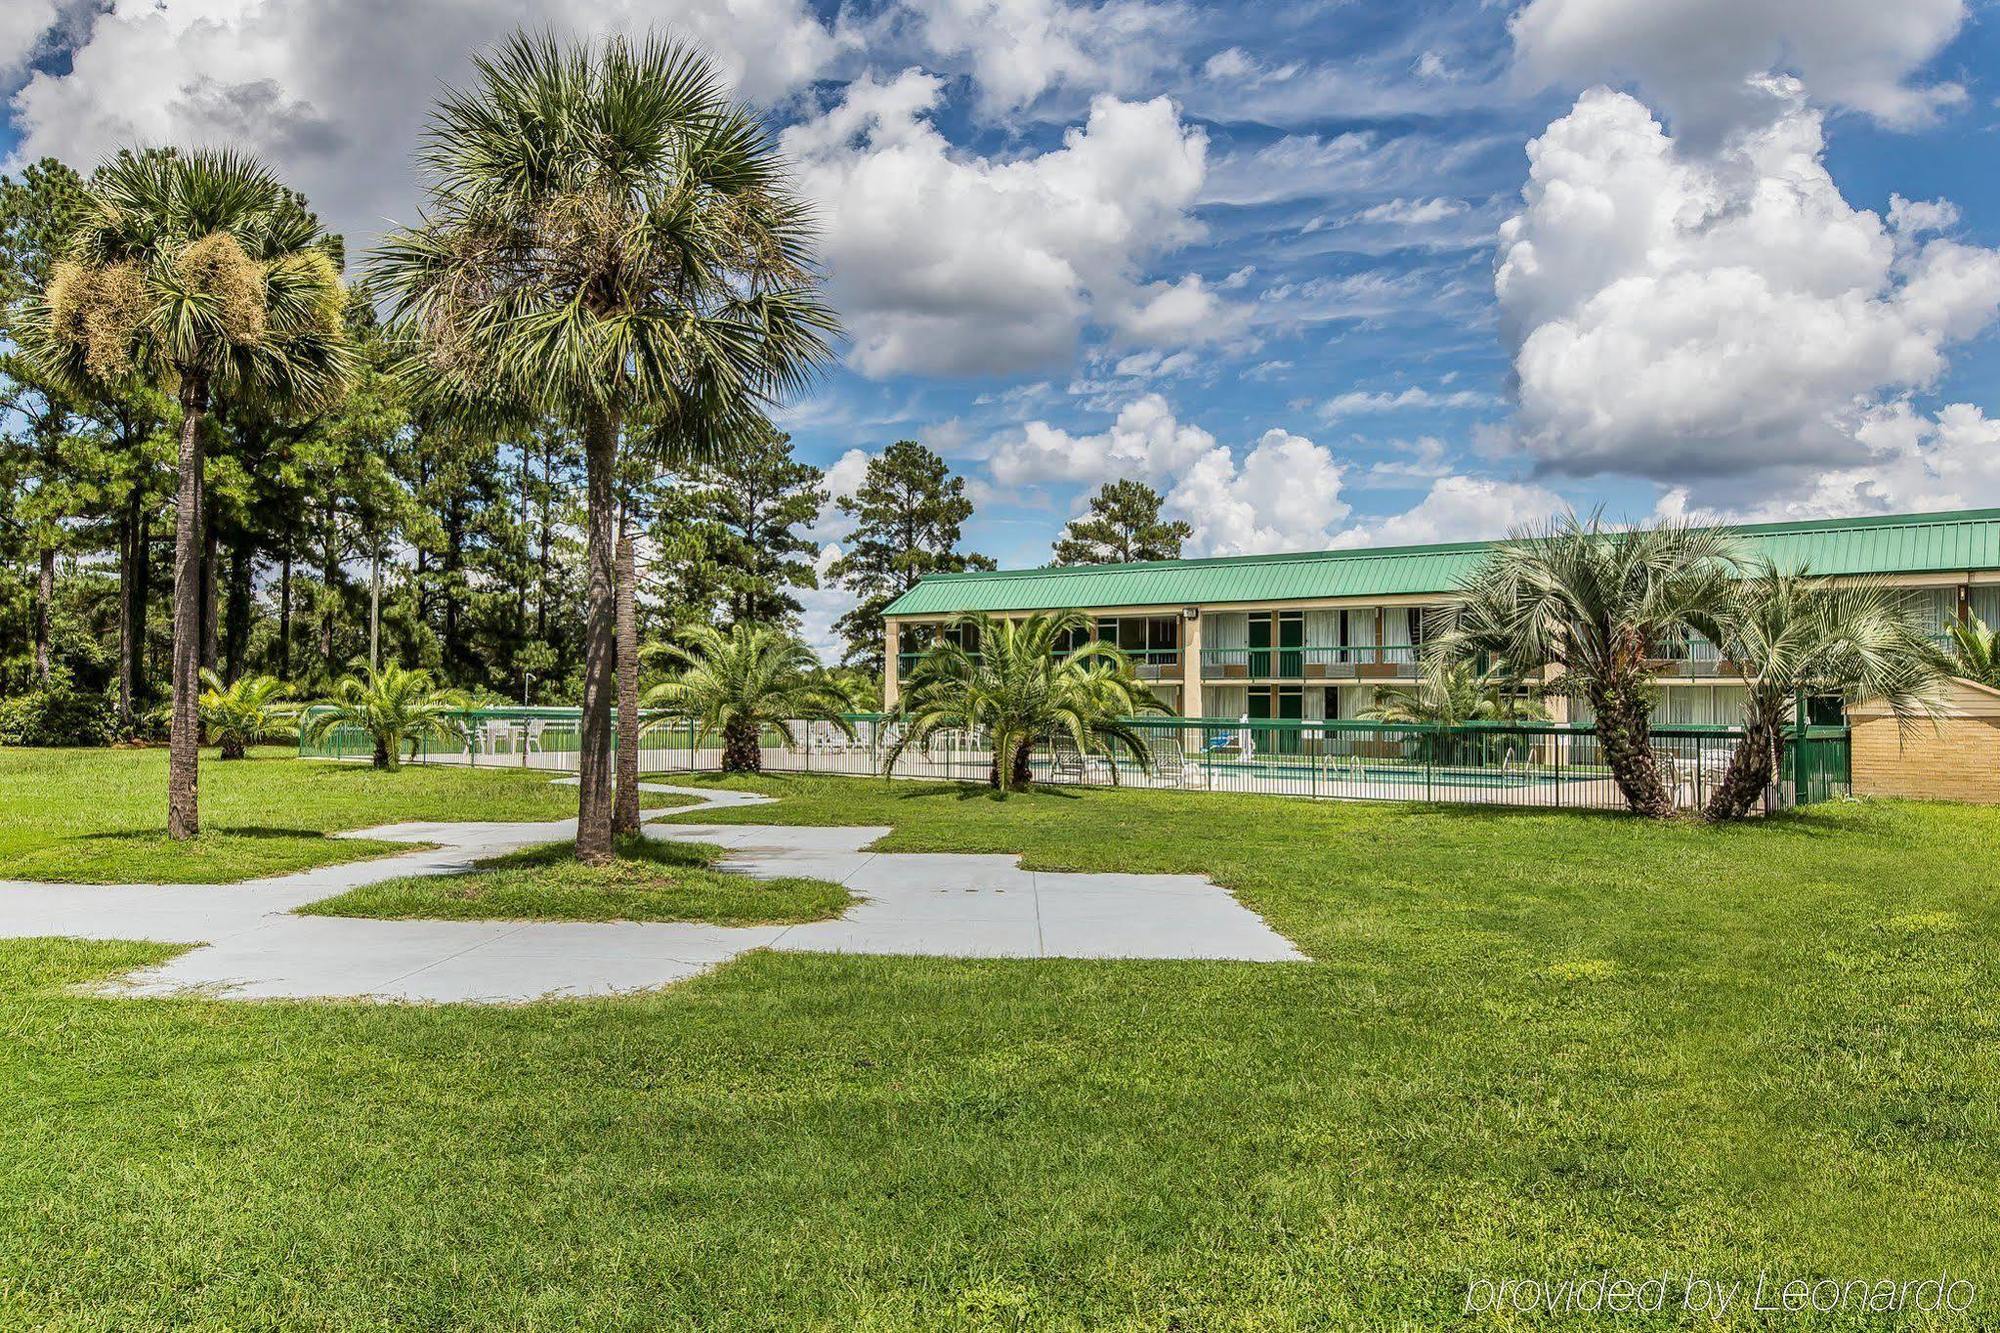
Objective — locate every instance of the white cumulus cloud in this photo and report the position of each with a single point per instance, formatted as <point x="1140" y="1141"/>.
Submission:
<point x="1146" y="442"/>
<point x="1698" y="58"/>
<point x="945" y="262"/>
<point x="1020" y="49"/>
<point x="335" y="95"/>
<point x="1680" y="315"/>
<point x="1914" y="463"/>
<point x="23" y="24"/>
<point x="1283" y="495"/>
<point x="1459" y="509"/>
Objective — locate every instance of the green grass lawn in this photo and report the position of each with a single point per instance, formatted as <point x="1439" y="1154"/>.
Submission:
<point x="651" y="881"/>
<point x="100" y="816"/>
<point x="1530" y="1044"/>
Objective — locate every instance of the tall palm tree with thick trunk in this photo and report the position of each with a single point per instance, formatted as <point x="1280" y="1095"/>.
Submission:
<point x="1789" y="636"/>
<point x="1600" y="607"/>
<point x="202" y="273"/>
<point x="609" y="238"/>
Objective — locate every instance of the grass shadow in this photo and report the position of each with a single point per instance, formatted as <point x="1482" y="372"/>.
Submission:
<point x="252" y="831"/>
<point x="632" y="847"/>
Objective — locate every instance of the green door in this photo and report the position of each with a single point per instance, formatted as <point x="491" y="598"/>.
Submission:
<point x="1291" y="708"/>
<point x="1260" y="649"/>
<point x="1291" y="642"/>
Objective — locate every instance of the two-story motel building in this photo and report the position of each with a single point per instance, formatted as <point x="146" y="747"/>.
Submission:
<point x="1315" y="635"/>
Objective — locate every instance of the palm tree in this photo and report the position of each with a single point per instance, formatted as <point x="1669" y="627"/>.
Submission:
<point x="1449" y="693"/>
<point x="202" y="273"/>
<point x="1975" y="651"/>
<point x="744" y="683"/>
<point x="393" y="704"/>
<point x="1601" y="607"/>
<point x="609" y="238"/>
<point x="1787" y="635"/>
<point x="1020" y="688"/>
<point x="249" y="710"/>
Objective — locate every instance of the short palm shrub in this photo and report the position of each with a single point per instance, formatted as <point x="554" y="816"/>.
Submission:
<point x="1450" y="693"/>
<point x="1019" y="688"/>
<point x="744" y="684"/>
<point x="245" y="711"/>
<point x="1975" y="651"/>
<point x="395" y="705"/>
<point x="1789" y="635"/>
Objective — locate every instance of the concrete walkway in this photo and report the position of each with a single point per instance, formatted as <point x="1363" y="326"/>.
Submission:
<point x="950" y="905"/>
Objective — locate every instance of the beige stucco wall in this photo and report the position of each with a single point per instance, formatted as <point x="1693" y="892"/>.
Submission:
<point x="1959" y="761"/>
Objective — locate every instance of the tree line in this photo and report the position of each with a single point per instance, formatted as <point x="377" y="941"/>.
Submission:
<point x="225" y="451"/>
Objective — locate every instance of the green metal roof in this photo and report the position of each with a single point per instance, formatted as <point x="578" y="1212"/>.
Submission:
<point x="1898" y="544"/>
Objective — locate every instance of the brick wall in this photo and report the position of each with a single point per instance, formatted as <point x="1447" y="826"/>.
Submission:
<point x="1960" y="761"/>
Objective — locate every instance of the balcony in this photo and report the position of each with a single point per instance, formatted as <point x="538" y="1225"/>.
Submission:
<point x="1389" y="661"/>
<point x="1155" y="663"/>
<point x="1147" y="663"/>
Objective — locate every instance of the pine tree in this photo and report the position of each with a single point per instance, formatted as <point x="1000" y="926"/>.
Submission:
<point x="907" y="513"/>
<point x="1123" y="525"/>
<point x="37" y="211"/>
<point x="738" y="521"/>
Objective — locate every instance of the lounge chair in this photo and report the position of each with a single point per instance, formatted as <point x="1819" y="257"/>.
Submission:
<point x="1239" y="744"/>
<point x="1066" y="762"/>
<point x="1169" y="762"/>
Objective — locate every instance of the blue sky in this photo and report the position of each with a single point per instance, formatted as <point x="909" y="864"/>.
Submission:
<point x="1333" y="271"/>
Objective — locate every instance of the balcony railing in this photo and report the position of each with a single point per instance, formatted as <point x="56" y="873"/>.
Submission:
<point x="1388" y="661"/>
<point x="1155" y="663"/>
<point x="1147" y="663"/>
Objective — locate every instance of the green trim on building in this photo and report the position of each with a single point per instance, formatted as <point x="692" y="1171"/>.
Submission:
<point x="1964" y="541"/>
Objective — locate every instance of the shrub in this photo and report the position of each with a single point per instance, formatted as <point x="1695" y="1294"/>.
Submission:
<point x="57" y="714"/>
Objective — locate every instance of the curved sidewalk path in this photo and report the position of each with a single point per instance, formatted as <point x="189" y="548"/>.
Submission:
<point x="944" y="904"/>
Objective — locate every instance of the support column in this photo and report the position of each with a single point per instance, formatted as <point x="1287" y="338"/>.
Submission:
<point x="1190" y="667"/>
<point x="892" y="634"/>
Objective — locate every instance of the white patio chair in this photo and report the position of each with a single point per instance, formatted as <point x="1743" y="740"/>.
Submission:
<point x="1066" y="762"/>
<point x="1170" y="764"/>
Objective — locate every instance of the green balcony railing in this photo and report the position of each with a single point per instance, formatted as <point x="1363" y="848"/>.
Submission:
<point x="1147" y="663"/>
<point x="1389" y="661"/>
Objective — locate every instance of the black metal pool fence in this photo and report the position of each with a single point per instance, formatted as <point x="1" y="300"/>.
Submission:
<point x="1538" y="764"/>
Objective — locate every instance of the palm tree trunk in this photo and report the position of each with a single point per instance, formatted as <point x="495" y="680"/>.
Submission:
<point x="1626" y="739"/>
<point x="1749" y="773"/>
<point x="625" y="814"/>
<point x="600" y="640"/>
<point x="1022" y="777"/>
<point x="232" y="748"/>
<point x="184" y="736"/>
<point x="386" y="755"/>
<point x="740" y="751"/>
